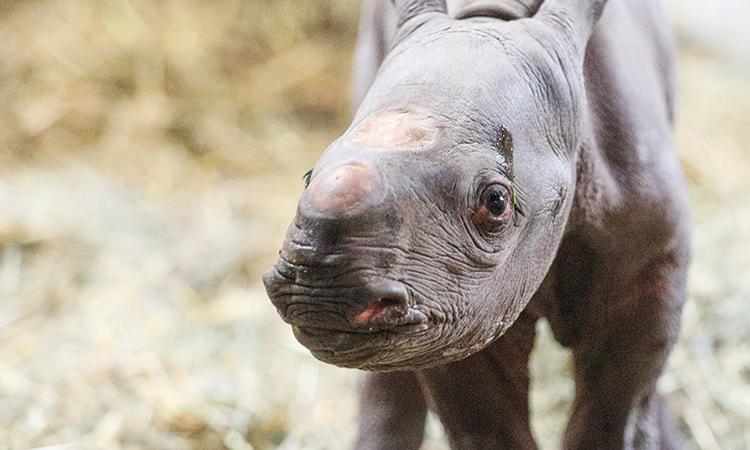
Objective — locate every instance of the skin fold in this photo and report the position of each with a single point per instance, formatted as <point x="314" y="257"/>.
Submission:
<point x="509" y="161"/>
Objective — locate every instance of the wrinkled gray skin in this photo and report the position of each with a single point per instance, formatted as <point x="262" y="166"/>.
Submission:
<point x="393" y="263"/>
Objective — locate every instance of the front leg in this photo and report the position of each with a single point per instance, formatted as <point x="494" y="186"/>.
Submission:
<point x="625" y="337"/>
<point x="392" y="412"/>
<point x="482" y="400"/>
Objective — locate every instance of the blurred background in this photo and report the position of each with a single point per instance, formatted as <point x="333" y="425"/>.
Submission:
<point x="151" y="155"/>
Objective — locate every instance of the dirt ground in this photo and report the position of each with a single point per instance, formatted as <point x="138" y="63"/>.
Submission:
<point x="151" y="155"/>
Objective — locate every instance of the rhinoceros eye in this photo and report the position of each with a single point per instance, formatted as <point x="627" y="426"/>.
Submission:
<point x="495" y="204"/>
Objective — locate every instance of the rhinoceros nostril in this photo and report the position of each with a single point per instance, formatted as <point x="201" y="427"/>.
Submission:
<point x="343" y="190"/>
<point x="388" y="303"/>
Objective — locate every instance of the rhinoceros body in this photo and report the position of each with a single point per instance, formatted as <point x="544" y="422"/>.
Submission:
<point x="509" y="161"/>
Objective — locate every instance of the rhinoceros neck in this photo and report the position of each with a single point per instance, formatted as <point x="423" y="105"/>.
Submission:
<point x="628" y="146"/>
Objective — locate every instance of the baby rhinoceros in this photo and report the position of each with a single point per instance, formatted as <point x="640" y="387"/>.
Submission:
<point x="511" y="161"/>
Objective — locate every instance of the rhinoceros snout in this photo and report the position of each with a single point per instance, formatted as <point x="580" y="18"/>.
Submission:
<point x="337" y="279"/>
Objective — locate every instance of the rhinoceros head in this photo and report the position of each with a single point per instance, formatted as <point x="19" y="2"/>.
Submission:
<point x="427" y="227"/>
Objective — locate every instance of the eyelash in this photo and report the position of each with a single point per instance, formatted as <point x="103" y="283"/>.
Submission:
<point x="306" y="178"/>
<point x="515" y="200"/>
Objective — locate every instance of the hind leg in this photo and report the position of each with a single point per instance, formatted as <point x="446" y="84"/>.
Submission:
<point x="392" y="412"/>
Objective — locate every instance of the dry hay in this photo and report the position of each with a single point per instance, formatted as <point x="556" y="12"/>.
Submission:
<point x="150" y="158"/>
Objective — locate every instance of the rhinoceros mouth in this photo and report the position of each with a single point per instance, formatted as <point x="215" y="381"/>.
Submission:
<point x="352" y="305"/>
<point x="377" y="349"/>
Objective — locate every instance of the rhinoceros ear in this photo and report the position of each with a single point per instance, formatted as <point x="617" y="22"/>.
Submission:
<point x="408" y="9"/>
<point x="574" y="18"/>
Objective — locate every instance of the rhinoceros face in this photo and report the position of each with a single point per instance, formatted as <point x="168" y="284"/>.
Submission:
<point x="426" y="228"/>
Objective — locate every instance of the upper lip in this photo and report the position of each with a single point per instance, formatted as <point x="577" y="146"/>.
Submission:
<point x="336" y="302"/>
